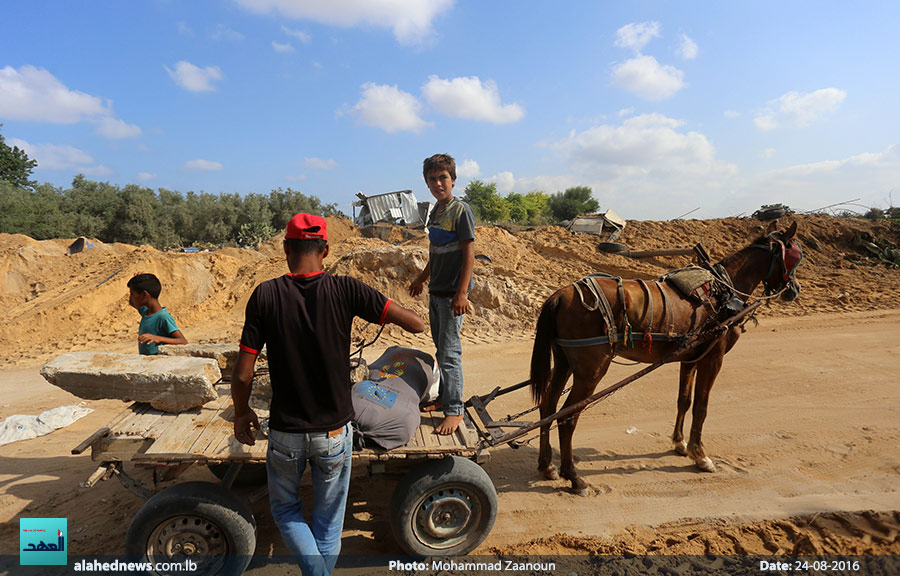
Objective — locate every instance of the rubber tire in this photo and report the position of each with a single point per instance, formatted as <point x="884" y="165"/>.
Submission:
<point x="203" y="499"/>
<point x="250" y="475"/>
<point x="769" y="214"/>
<point x="427" y="479"/>
<point x="612" y="247"/>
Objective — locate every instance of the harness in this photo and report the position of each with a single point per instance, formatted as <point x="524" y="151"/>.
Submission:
<point x="616" y="339"/>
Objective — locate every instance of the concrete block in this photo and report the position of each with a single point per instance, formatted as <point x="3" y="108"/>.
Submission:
<point x="225" y="354"/>
<point x="168" y="383"/>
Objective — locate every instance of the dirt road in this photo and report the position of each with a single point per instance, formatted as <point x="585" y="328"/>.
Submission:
<point x="804" y="420"/>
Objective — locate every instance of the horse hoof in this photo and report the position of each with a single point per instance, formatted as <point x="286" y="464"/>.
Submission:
<point x="550" y="473"/>
<point x="706" y="464"/>
<point x="580" y="487"/>
<point x="680" y="448"/>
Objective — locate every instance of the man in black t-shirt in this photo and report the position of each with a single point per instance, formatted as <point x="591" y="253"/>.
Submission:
<point x="304" y="319"/>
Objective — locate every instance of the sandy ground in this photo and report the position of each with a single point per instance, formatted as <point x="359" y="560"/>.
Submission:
<point x="804" y="426"/>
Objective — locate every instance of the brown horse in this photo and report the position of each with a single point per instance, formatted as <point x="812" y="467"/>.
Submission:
<point x="580" y="338"/>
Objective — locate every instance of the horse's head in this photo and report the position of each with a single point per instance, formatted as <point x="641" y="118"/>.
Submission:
<point x="786" y="255"/>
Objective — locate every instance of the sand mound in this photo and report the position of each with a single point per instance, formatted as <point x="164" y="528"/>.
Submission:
<point x="56" y="303"/>
<point x="844" y="533"/>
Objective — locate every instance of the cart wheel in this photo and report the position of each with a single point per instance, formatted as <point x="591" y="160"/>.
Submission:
<point x="250" y="475"/>
<point x="444" y="507"/>
<point x="200" y="521"/>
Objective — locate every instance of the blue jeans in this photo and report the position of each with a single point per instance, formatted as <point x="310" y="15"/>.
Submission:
<point x="315" y="545"/>
<point x="445" y="329"/>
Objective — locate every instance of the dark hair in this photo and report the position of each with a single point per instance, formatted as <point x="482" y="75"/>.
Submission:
<point x="298" y="246"/>
<point x="437" y="163"/>
<point x="146" y="283"/>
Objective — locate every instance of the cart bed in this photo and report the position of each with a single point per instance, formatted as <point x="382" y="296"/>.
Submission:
<point x="142" y="434"/>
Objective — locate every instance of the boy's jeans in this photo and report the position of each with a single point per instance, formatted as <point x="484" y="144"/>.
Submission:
<point x="315" y="545"/>
<point x="445" y="329"/>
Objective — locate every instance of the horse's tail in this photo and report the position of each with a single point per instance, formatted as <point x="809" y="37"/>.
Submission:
<point x="540" y="353"/>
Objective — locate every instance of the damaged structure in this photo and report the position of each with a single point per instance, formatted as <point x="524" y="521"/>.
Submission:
<point x="398" y="207"/>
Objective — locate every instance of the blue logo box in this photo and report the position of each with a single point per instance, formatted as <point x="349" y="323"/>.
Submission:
<point x="43" y="541"/>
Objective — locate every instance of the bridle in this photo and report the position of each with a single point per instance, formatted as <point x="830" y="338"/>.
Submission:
<point x="786" y="257"/>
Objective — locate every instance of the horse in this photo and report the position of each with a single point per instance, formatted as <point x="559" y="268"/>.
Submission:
<point x="585" y="328"/>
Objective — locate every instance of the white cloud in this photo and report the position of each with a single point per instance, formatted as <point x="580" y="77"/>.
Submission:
<point x="505" y="182"/>
<point x="146" y="176"/>
<point x="298" y="34"/>
<point x="389" y="108"/>
<point x="282" y="48"/>
<point x="53" y="156"/>
<point x="223" y="32"/>
<point x="765" y="122"/>
<point x="200" y="165"/>
<point x="767" y="153"/>
<point x="626" y="112"/>
<point x="469" y="98"/>
<point x="194" y="78"/>
<point x="319" y="163"/>
<point x="468" y="169"/>
<point x="116" y="129"/>
<point x="799" y="109"/>
<point x="35" y="95"/>
<point x="636" y="35"/>
<point x="687" y="48"/>
<point x="648" y="166"/>
<point x="184" y="29"/>
<point x="410" y="20"/>
<point x="644" y="76"/>
<point x="870" y="175"/>
<point x="731" y="114"/>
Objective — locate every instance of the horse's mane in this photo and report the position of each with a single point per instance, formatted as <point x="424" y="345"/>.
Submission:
<point x="729" y="259"/>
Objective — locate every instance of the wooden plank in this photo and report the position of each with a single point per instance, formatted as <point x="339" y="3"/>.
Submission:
<point x="126" y="413"/>
<point x="207" y="433"/>
<point x="128" y="417"/>
<point x="220" y="427"/>
<point x="176" y="433"/>
<point x="207" y="417"/>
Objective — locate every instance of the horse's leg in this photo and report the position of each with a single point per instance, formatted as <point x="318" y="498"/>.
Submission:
<point x="583" y="385"/>
<point x="707" y="370"/>
<point x="558" y="378"/>
<point x="685" y="387"/>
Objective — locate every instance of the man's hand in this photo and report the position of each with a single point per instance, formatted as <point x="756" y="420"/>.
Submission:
<point x="416" y="287"/>
<point x="244" y="425"/>
<point x="148" y="338"/>
<point x="460" y="304"/>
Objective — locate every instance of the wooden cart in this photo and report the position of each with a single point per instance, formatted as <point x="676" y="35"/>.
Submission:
<point x="445" y="503"/>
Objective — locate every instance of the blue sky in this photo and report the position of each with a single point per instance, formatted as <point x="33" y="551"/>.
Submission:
<point x="660" y="107"/>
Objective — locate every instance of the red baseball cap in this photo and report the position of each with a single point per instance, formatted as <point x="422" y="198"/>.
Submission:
<point x="305" y="226"/>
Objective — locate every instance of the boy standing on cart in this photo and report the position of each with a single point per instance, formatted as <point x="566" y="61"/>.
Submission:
<point x="451" y="258"/>
<point x="304" y="319"/>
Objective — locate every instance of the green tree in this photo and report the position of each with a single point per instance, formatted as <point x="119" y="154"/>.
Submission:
<point x="15" y="166"/>
<point x="518" y="213"/>
<point x="573" y="202"/>
<point x="93" y="207"/>
<point x="486" y="202"/>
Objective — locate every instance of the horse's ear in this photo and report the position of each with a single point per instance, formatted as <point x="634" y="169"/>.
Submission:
<point x="773" y="226"/>
<point x="789" y="233"/>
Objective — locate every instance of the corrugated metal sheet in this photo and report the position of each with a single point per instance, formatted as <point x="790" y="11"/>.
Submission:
<point x="398" y="207"/>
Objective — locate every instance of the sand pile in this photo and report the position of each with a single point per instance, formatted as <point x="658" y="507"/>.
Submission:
<point x="55" y="303"/>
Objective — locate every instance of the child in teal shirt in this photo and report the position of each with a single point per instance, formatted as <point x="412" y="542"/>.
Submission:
<point x="157" y="325"/>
